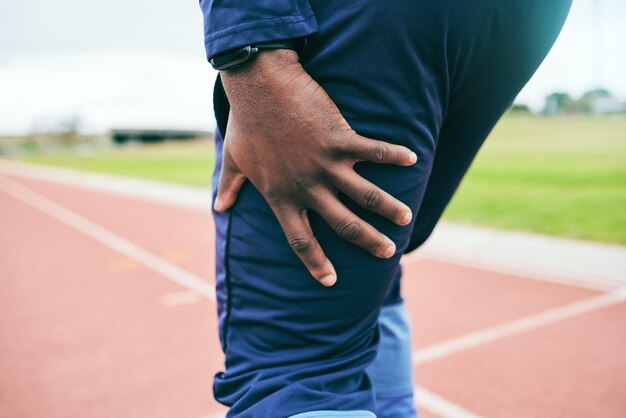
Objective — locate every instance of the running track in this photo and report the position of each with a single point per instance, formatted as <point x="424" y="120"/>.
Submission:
<point x="108" y="311"/>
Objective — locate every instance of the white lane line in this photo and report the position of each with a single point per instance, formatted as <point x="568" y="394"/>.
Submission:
<point x="106" y="237"/>
<point x="440" y="406"/>
<point x="189" y="197"/>
<point x="510" y="270"/>
<point x="518" y="326"/>
<point x="565" y="261"/>
<point x="185" y="297"/>
<point x="538" y="256"/>
<point x="198" y="286"/>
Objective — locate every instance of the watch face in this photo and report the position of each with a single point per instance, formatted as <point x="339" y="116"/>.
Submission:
<point x="232" y="59"/>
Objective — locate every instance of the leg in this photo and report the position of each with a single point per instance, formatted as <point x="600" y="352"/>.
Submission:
<point x="292" y="346"/>
<point x="483" y="88"/>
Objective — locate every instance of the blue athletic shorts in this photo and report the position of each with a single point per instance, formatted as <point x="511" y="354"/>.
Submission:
<point x="433" y="75"/>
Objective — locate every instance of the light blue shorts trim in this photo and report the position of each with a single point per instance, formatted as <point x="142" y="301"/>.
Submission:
<point x="391" y="372"/>
<point x="330" y="414"/>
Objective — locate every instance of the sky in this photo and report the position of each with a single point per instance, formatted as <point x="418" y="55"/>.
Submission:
<point x="141" y="63"/>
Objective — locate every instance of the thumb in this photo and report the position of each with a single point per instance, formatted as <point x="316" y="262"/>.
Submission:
<point x="230" y="182"/>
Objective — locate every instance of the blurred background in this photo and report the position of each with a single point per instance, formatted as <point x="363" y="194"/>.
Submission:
<point x="121" y="92"/>
<point x="76" y="79"/>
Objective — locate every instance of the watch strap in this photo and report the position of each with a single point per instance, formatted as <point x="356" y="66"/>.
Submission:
<point x="232" y="59"/>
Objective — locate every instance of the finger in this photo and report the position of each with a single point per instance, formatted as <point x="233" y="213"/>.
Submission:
<point x="295" y="224"/>
<point x="352" y="228"/>
<point x="371" y="197"/>
<point x="366" y="149"/>
<point x="230" y="182"/>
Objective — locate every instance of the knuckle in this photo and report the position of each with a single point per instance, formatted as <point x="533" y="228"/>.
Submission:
<point x="348" y="229"/>
<point x="379" y="152"/>
<point x="300" y="243"/>
<point x="315" y="264"/>
<point x="303" y="185"/>
<point x="341" y="143"/>
<point x="340" y="146"/>
<point x="370" y="199"/>
<point x="376" y="246"/>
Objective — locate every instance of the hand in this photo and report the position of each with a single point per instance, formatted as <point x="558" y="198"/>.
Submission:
<point x="289" y="139"/>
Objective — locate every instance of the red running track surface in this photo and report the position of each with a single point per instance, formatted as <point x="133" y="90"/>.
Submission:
<point x="86" y="331"/>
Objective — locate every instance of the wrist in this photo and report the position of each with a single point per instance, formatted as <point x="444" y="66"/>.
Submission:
<point x="265" y="75"/>
<point x="266" y="62"/>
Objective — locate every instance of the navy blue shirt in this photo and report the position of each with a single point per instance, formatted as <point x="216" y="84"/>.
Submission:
<point x="230" y="24"/>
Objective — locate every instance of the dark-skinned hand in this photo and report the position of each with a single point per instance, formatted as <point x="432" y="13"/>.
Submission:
<point x="289" y="139"/>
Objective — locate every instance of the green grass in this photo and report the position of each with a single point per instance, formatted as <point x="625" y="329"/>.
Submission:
<point x="558" y="176"/>
<point x="182" y="162"/>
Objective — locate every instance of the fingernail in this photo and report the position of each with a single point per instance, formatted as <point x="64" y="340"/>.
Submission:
<point x="389" y="251"/>
<point x="413" y="158"/>
<point x="406" y="218"/>
<point x="329" y="280"/>
<point x="217" y="205"/>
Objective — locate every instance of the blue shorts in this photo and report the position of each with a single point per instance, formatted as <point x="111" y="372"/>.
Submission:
<point x="433" y="75"/>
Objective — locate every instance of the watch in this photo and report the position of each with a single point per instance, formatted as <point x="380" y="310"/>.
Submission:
<point x="232" y="59"/>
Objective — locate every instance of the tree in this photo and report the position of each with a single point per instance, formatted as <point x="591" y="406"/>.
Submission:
<point x="557" y="103"/>
<point x="519" y="108"/>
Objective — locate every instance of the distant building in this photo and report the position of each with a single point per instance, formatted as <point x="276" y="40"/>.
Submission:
<point x="604" y="105"/>
<point x="596" y="101"/>
<point x="122" y="136"/>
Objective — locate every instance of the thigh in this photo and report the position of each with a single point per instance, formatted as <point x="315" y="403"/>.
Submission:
<point x="487" y="72"/>
<point x="291" y="345"/>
